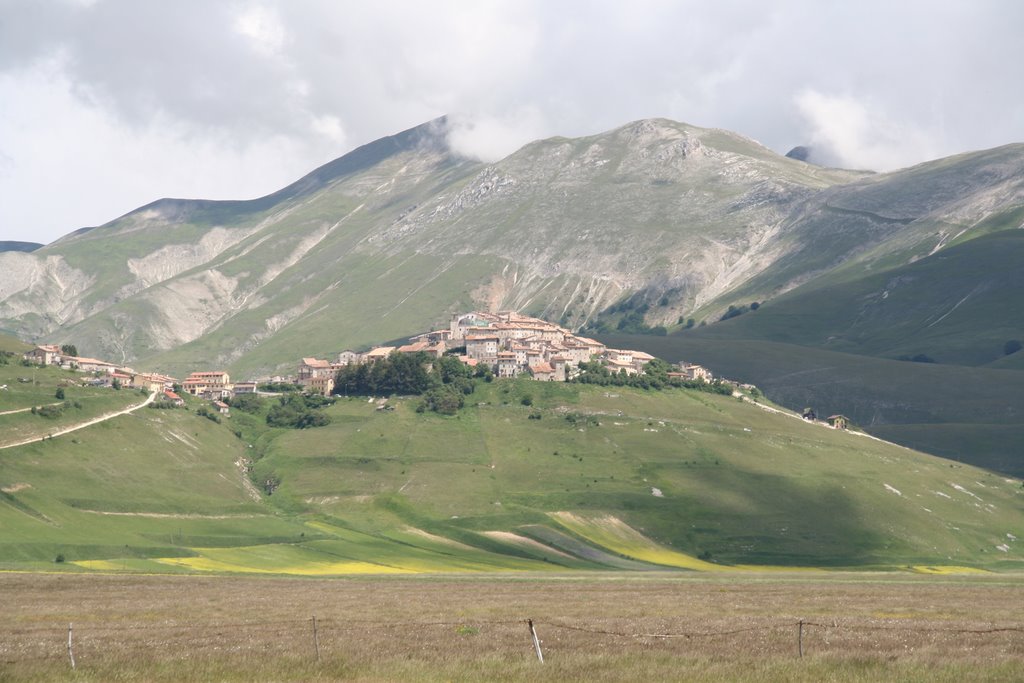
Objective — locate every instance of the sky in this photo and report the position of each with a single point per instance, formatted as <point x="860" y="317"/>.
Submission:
<point x="107" y="105"/>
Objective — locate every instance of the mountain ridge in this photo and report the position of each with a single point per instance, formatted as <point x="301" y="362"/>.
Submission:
<point x="652" y="211"/>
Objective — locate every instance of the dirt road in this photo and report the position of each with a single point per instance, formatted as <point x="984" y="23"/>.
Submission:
<point x="83" y="425"/>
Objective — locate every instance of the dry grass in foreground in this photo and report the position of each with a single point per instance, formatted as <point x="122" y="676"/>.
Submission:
<point x="593" y="628"/>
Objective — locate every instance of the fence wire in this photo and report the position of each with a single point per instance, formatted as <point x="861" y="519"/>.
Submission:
<point x="27" y="640"/>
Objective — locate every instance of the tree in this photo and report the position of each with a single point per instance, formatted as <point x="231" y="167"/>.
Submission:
<point x="445" y="400"/>
<point x="247" y="403"/>
<point x="69" y="349"/>
<point x="60" y="394"/>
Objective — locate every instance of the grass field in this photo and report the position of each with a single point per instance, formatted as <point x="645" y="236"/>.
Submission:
<point x="858" y="628"/>
<point x="37" y="386"/>
<point x="972" y="415"/>
<point x="532" y="477"/>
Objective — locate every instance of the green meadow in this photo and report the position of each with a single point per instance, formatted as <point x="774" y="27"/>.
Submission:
<point x="528" y="477"/>
<point x="36" y="387"/>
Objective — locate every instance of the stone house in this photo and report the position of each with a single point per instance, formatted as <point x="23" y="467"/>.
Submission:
<point x="172" y="398"/>
<point x="838" y="421"/>
<point x="543" y="372"/>
<point x="216" y="383"/>
<point x="44" y="354"/>
<point x="483" y="348"/>
<point x="508" y="364"/>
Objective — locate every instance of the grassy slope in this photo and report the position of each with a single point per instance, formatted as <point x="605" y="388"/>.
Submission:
<point x="784" y="492"/>
<point x="812" y="347"/>
<point x="398" y="491"/>
<point x="957" y="306"/>
<point x="41" y="391"/>
<point x="13" y="344"/>
<point x="941" y="408"/>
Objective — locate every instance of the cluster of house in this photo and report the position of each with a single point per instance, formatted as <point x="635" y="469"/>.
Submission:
<point x="214" y="386"/>
<point x="834" y="421"/>
<point x="509" y="343"/>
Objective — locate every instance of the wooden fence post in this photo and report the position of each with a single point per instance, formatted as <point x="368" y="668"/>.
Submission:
<point x="536" y="641"/>
<point x="316" y="640"/>
<point x="800" y="638"/>
<point x="71" y="652"/>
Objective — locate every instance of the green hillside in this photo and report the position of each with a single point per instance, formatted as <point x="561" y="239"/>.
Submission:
<point x="958" y="306"/>
<point x="645" y="226"/>
<point x="970" y="415"/>
<point x="583" y="477"/>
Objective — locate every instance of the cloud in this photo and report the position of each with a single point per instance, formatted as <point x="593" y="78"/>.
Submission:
<point x="177" y="88"/>
<point x="852" y="133"/>
<point x="263" y="27"/>
<point x="490" y="138"/>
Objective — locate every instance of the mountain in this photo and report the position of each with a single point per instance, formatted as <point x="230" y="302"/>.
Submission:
<point x="650" y="224"/>
<point x="18" y="246"/>
<point x="398" y="233"/>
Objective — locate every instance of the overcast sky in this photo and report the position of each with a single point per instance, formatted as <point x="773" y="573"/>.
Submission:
<point x="106" y="105"/>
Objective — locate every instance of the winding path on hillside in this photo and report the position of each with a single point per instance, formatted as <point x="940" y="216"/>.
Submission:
<point x="82" y="425"/>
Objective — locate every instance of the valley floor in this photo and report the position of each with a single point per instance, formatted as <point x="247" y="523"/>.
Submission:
<point x="857" y="627"/>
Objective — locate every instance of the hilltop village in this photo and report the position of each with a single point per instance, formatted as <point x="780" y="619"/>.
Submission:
<point x="507" y="344"/>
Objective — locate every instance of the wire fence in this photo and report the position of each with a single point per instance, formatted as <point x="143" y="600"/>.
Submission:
<point x="78" y="644"/>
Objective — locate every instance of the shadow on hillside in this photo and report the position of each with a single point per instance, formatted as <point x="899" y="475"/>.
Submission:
<point x="772" y="519"/>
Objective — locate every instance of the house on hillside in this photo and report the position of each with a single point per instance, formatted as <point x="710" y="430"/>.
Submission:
<point x="377" y="353"/>
<point x="313" y="367"/>
<point x="543" y="372"/>
<point x="348" y="357"/>
<point x="560" y="366"/>
<point x="508" y="364"/>
<point x="216" y="384"/>
<point x="149" y="382"/>
<point x="618" y="366"/>
<point x="838" y="421"/>
<point x="172" y="398"/>
<point x="222" y="407"/>
<point x="482" y="347"/>
<point x="415" y="347"/>
<point x="44" y="354"/>
<point x="695" y="372"/>
<point x="245" y="388"/>
<point x="88" y="365"/>
<point x="640" y="359"/>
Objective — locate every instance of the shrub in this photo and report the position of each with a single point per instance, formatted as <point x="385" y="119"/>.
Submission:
<point x="247" y="403"/>
<point x="297" y="411"/>
<point x="203" y="411"/>
<point x="1012" y="346"/>
<point x="49" y="412"/>
<point x="60" y="394"/>
<point x="445" y="400"/>
<point x="734" y="311"/>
